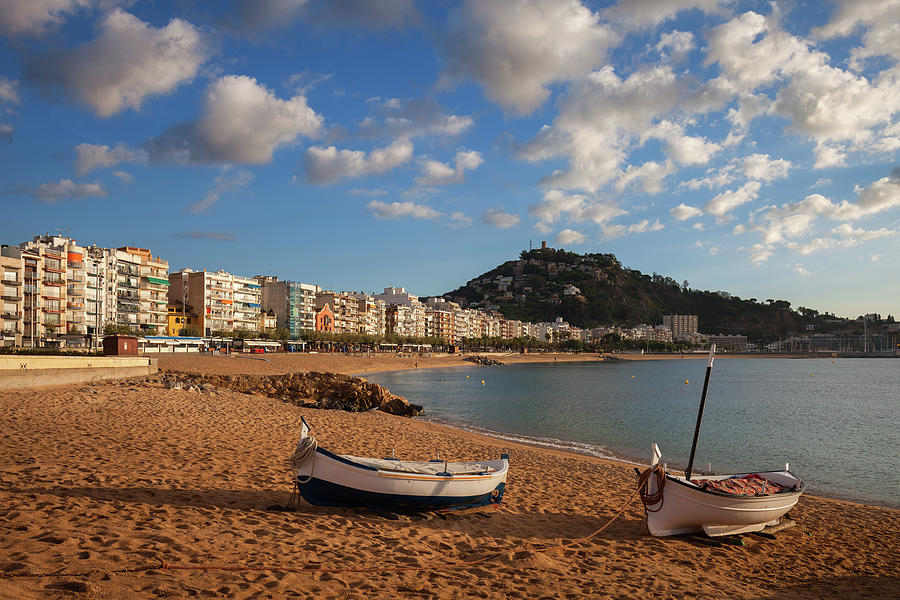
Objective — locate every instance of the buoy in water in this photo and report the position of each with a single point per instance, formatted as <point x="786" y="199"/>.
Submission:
<point x="810" y="374"/>
<point x="467" y="376"/>
<point x="686" y="382"/>
<point x="482" y="382"/>
<point x="632" y="376"/>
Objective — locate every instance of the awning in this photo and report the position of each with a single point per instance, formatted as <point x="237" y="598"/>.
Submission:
<point x="158" y="281"/>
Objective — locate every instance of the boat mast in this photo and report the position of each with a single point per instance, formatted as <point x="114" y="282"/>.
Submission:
<point x="712" y="356"/>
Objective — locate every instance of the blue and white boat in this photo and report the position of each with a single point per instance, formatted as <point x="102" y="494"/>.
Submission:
<point x="328" y="479"/>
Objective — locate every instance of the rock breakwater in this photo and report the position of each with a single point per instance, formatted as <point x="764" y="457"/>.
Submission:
<point x="310" y="390"/>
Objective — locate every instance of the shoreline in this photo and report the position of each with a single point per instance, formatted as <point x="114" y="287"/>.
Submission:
<point x="345" y="363"/>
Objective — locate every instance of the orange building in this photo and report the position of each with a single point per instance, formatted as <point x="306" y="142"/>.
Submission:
<point x="325" y="319"/>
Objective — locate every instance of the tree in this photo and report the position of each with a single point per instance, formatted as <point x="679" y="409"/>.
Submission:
<point x="114" y="328"/>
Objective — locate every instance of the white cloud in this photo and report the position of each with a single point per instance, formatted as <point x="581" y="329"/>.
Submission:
<point x="829" y="156"/>
<point x="459" y="220"/>
<point x="650" y="173"/>
<point x="226" y="182"/>
<point x="9" y="95"/>
<point x="729" y="200"/>
<point x="683" y="212"/>
<point x="644" y="13"/>
<point x="54" y="191"/>
<point x="614" y="231"/>
<point x="89" y="157"/>
<point x="399" y="210"/>
<point x="880" y="195"/>
<point x="850" y="236"/>
<point x="36" y="17"/>
<point x="598" y="120"/>
<point x="576" y="208"/>
<point x="763" y="168"/>
<point x="716" y="177"/>
<point x="799" y="269"/>
<point x="568" y="237"/>
<point x="243" y="122"/>
<point x="9" y="91"/>
<point x="438" y="173"/>
<point x="708" y="248"/>
<point x="123" y="176"/>
<point x="678" y="43"/>
<point x="126" y="63"/>
<point x="879" y="19"/>
<point x="791" y="223"/>
<point x="680" y="147"/>
<point x="820" y="101"/>
<point x="412" y="118"/>
<point x="327" y="165"/>
<point x="759" y="253"/>
<point x="498" y="218"/>
<point x="517" y="49"/>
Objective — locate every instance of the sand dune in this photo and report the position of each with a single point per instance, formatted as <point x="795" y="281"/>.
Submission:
<point x="131" y="490"/>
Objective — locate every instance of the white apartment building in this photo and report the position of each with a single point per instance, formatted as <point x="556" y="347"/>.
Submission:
<point x="681" y="326"/>
<point x="405" y="315"/>
<point x="12" y="272"/>
<point x="223" y="302"/>
<point x="372" y="314"/>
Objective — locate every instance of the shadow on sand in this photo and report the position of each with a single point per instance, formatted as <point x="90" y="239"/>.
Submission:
<point x="495" y="523"/>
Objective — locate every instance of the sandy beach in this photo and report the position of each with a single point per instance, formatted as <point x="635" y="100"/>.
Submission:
<point x="127" y="489"/>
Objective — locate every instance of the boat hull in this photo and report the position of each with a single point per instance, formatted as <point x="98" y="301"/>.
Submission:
<point x="686" y="509"/>
<point x="333" y="480"/>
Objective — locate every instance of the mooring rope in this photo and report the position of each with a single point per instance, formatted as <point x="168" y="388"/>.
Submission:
<point x="303" y="453"/>
<point x="643" y="488"/>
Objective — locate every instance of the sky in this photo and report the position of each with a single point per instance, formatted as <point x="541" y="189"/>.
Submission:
<point x="747" y="147"/>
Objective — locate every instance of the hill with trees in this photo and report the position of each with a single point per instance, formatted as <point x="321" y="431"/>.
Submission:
<point x="591" y="290"/>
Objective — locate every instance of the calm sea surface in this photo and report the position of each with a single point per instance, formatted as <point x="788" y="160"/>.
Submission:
<point x="835" y="421"/>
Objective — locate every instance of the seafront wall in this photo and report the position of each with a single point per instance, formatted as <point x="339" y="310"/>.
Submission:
<point x="24" y="371"/>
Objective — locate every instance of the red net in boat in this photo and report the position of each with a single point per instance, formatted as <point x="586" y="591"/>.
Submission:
<point x="745" y="485"/>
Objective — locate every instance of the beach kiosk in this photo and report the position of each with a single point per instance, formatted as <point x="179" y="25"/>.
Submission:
<point x="120" y="345"/>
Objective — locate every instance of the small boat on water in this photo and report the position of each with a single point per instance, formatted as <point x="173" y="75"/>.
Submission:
<point x="328" y="479"/>
<point x="718" y="504"/>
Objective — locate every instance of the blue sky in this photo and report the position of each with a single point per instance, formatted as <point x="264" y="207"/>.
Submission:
<point x="750" y="147"/>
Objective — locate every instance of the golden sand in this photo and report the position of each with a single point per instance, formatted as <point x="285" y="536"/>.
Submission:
<point x="131" y="490"/>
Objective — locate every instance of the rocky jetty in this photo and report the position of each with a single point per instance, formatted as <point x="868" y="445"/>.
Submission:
<point x="484" y="360"/>
<point x="309" y="390"/>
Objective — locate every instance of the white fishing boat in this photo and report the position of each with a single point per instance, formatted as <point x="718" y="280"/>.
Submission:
<point x="717" y="504"/>
<point x="328" y="479"/>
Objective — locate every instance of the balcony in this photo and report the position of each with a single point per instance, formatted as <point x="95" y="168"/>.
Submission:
<point x="12" y="298"/>
<point x="126" y="270"/>
<point x="10" y="316"/>
<point x="11" y="282"/>
<point x="54" y="281"/>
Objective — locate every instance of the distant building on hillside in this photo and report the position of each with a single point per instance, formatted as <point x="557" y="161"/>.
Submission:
<point x="681" y="326"/>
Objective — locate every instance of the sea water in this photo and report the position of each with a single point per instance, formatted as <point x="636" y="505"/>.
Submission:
<point x="835" y="420"/>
